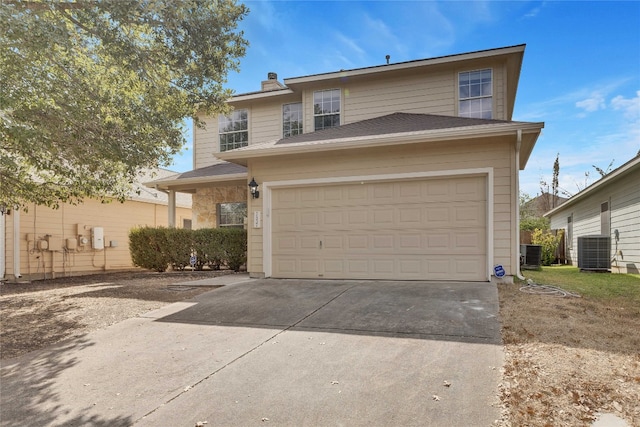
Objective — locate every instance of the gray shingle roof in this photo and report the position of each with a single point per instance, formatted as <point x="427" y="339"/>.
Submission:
<point x="389" y="124"/>
<point x="223" y="168"/>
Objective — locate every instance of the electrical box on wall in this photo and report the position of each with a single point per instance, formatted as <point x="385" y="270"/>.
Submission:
<point x="72" y="244"/>
<point x="55" y="243"/>
<point x="97" y="238"/>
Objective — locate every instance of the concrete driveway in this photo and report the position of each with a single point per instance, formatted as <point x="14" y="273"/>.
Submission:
<point x="276" y="352"/>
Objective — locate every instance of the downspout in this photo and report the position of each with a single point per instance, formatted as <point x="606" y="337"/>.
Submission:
<point x="517" y="234"/>
<point x="16" y="244"/>
<point x="3" y="251"/>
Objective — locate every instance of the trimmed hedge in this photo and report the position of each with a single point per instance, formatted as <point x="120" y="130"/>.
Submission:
<point x="157" y="248"/>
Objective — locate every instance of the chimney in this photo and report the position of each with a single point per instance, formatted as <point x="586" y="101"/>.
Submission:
<point x="271" y="83"/>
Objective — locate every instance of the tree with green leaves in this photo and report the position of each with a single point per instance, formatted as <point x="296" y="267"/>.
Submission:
<point x="95" y="90"/>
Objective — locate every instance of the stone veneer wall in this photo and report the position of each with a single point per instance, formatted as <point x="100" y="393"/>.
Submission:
<point x="206" y="199"/>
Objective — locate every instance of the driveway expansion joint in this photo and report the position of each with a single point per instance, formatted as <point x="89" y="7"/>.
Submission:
<point x="188" y="388"/>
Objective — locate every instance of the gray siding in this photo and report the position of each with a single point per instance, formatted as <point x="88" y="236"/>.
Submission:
<point x="623" y="196"/>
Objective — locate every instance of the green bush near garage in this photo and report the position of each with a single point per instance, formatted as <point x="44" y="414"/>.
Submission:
<point x="158" y="248"/>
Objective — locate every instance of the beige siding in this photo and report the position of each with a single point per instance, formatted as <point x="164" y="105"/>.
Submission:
<point x="412" y="91"/>
<point x="497" y="154"/>
<point x="205" y="143"/>
<point x="265" y="124"/>
<point x="71" y="222"/>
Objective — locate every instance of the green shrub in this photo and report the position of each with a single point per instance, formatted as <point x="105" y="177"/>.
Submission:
<point x="147" y="247"/>
<point x="207" y="246"/>
<point x="531" y="223"/>
<point x="155" y="248"/>
<point x="234" y="244"/>
<point x="179" y="247"/>
<point x="549" y="243"/>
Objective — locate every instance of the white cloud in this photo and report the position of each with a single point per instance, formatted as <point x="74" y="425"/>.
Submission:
<point x="535" y="11"/>
<point x="630" y="107"/>
<point x="594" y="103"/>
<point x="349" y="43"/>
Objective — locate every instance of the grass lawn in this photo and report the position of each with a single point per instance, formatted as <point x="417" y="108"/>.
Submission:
<point x="598" y="286"/>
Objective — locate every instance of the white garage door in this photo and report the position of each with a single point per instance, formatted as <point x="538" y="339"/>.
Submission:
<point x="427" y="229"/>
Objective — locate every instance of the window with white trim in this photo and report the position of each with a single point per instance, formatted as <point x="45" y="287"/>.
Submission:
<point x="569" y="238"/>
<point x="475" y="94"/>
<point x="326" y="109"/>
<point x="231" y="215"/>
<point x="291" y="119"/>
<point x="233" y="130"/>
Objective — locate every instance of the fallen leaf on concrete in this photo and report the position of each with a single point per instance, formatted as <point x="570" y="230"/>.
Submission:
<point x="436" y="398"/>
<point x="201" y="423"/>
<point x="265" y="419"/>
<point x="334" y="382"/>
<point x="446" y="383"/>
<point x="187" y="388"/>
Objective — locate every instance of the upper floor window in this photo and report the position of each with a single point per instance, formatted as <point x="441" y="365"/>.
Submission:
<point x="233" y="130"/>
<point x="291" y="119"/>
<point x="475" y="94"/>
<point x="326" y="109"/>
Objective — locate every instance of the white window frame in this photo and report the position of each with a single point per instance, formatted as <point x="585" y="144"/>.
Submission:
<point x="230" y="119"/>
<point x="327" y="114"/>
<point x="300" y="121"/>
<point x="237" y="224"/>
<point x="478" y="99"/>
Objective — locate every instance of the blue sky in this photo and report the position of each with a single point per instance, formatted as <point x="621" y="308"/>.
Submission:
<point x="581" y="70"/>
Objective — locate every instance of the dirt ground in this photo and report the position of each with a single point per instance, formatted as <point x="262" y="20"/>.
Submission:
<point x="566" y="359"/>
<point x="37" y="314"/>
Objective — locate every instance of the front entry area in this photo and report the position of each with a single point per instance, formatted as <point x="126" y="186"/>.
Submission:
<point x="399" y="229"/>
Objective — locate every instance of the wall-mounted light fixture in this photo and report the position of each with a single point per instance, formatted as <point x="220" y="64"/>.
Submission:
<point x="253" y="188"/>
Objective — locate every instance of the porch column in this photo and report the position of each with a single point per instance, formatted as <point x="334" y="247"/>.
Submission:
<point x="172" y="209"/>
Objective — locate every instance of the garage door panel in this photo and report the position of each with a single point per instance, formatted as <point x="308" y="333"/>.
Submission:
<point x="415" y="229"/>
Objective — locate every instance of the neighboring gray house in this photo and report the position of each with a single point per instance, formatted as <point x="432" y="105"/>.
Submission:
<point x="608" y="207"/>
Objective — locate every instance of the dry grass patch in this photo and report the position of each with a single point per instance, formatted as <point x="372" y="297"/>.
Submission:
<point x="568" y="359"/>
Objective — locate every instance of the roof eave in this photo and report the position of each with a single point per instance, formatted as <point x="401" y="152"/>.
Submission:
<point x="168" y="184"/>
<point x="292" y="82"/>
<point x="242" y="155"/>
<point x="622" y="170"/>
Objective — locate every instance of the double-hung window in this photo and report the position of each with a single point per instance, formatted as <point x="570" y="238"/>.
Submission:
<point x="475" y="94"/>
<point x="326" y="109"/>
<point x="231" y="214"/>
<point x="291" y="119"/>
<point x="233" y="130"/>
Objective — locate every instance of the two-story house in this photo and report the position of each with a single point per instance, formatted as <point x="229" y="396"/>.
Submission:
<point x="397" y="171"/>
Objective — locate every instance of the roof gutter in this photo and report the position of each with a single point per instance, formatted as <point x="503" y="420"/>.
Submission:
<point x="434" y="135"/>
<point x="516" y="237"/>
<point x="164" y="184"/>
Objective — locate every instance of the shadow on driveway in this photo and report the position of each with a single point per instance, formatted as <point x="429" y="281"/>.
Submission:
<point x="450" y="311"/>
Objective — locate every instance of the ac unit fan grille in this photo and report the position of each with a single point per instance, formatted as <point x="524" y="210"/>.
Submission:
<point x="593" y="253"/>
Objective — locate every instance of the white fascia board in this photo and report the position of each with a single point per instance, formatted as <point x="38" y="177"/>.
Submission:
<point x="168" y="183"/>
<point x="260" y="95"/>
<point x="371" y="141"/>
<point x="405" y="65"/>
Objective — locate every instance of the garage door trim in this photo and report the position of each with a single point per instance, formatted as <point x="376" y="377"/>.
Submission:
<point x="267" y="188"/>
